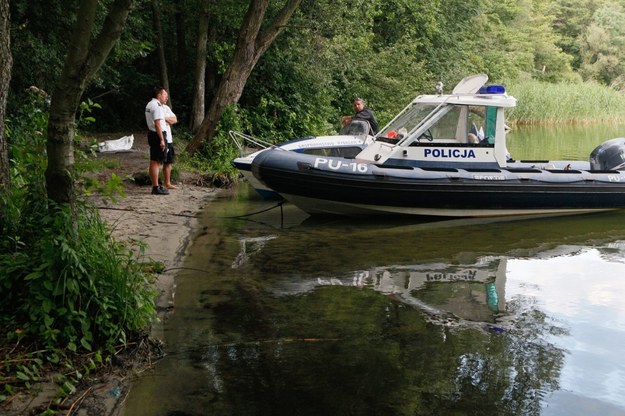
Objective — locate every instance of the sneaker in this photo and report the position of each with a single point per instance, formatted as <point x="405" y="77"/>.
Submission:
<point x="159" y="190"/>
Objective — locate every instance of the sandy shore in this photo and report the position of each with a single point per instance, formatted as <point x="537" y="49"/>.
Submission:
<point x="164" y="222"/>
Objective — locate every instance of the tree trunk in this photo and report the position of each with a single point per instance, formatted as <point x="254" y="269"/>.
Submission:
<point x="5" y="77"/>
<point x="251" y="45"/>
<point x="83" y="60"/>
<point x="212" y="69"/>
<point x="199" y="90"/>
<point x="181" y="42"/>
<point x="162" y="63"/>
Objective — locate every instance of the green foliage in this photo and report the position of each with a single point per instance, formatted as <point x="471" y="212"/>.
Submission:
<point x="20" y="371"/>
<point x="571" y="18"/>
<point x="215" y="158"/>
<point x="39" y="39"/>
<point x="602" y="45"/>
<point x="540" y="102"/>
<point x="72" y="285"/>
<point x="84" y="115"/>
<point x="23" y="370"/>
<point x="65" y="281"/>
<point x="68" y="288"/>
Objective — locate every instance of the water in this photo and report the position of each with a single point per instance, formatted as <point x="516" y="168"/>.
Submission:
<point x="289" y="315"/>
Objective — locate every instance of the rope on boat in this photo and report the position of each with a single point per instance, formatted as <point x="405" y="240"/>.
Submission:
<point x="279" y="204"/>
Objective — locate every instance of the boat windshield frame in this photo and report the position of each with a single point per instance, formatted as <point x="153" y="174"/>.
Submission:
<point x="420" y="119"/>
<point x="414" y="120"/>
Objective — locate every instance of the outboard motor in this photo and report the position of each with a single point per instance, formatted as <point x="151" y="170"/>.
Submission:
<point x="610" y="155"/>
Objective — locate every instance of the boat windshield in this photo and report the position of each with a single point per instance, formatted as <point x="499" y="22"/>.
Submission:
<point x="356" y="128"/>
<point x="407" y="121"/>
<point x="449" y="123"/>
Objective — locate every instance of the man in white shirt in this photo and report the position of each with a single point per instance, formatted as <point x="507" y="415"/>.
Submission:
<point x="155" y="119"/>
<point x="170" y="119"/>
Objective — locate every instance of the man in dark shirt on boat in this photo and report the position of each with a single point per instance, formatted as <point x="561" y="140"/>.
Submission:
<point x="362" y="113"/>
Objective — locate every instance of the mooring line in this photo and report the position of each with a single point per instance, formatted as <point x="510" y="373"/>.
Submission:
<point x="279" y="204"/>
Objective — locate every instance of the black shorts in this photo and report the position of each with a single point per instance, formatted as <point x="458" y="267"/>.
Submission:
<point x="170" y="157"/>
<point x="156" y="153"/>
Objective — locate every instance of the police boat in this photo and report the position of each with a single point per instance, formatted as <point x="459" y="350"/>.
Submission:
<point x="445" y="155"/>
<point x="352" y="138"/>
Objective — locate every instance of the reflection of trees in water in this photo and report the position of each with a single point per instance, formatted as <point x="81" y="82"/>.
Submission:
<point x="537" y="361"/>
<point x="342" y="351"/>
<point x="520" y="368"/>
<point x="515" y="374"/>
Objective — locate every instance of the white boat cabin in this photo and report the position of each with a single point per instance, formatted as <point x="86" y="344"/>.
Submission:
<point x="447" y="130"/>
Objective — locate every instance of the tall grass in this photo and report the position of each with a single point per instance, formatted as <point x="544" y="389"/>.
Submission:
<point x="544" y="103"/>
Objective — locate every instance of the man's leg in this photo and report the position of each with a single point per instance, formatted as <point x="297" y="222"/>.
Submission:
<point x="167" y="176"/>
<point x="155" y="166"/>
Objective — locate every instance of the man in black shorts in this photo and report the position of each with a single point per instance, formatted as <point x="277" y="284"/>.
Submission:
<point x="155" y="119"/>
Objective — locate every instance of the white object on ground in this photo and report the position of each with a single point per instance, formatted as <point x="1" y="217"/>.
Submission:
<point x="125" y="143"/>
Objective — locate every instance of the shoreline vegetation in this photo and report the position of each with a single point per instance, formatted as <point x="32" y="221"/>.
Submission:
<point x="541" y="103"/>
<point x="25" y="369"/>
<point x="62" y="381"/>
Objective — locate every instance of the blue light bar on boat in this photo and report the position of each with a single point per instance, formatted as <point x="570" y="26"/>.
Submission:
<point x="492" y="89"/>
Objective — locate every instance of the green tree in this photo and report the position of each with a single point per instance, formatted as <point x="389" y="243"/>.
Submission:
<point x="252" y="43"/>
<point x="571" y="19"/>
<point x="602" y="45"/>
<point x="39" y="39"/>
<point x="5" y="77"/>
<point x="65" y="282"/>
<point x="85" y="56"/>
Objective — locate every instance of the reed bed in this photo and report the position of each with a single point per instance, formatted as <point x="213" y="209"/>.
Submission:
<point x="543" y="103"/>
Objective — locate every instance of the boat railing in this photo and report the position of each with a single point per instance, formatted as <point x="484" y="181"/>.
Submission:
<point x="244" y="142"/>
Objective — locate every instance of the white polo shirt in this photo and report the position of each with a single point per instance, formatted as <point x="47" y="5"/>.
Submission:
<point x="154" y="111"/>
<point x="168" y="113"/>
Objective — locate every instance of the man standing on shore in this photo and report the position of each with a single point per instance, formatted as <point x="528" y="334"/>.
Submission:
<point x="157" y="132"/>
<point x="170" y="158"/>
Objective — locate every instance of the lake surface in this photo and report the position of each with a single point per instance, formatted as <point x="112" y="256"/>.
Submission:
<point x="278" y="313"/>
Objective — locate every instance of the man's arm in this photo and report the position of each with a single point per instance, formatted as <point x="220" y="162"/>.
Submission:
<point x="171" y="119"/>
<point x="159" y="132"/>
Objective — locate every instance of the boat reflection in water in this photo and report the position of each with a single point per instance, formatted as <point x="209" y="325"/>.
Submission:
<point x="475" y="292"/>
<point x="541" y="292"/>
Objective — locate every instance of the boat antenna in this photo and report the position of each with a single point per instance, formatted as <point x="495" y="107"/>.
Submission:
<point x="439" y="87"/>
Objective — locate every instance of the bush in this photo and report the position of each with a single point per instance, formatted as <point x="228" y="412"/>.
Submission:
<point x="65" y="282"/>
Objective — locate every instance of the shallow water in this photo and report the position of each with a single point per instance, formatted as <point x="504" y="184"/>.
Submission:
<point x="287" y="315"/>
<point x="280" y="314"/>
